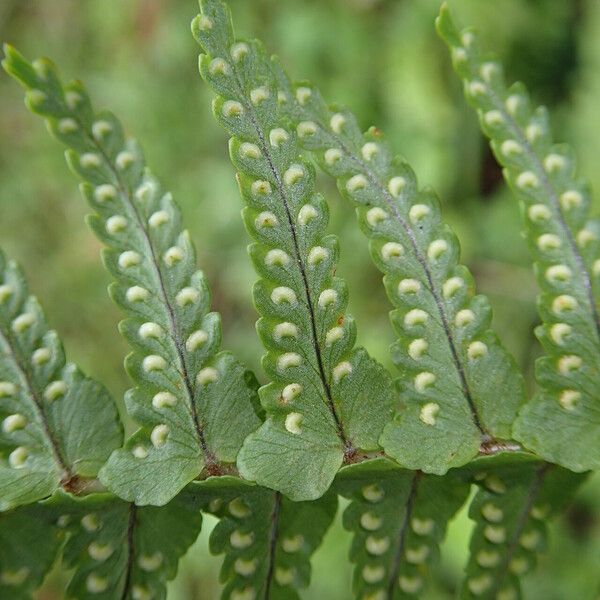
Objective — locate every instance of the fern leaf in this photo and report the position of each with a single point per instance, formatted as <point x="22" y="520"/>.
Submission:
<point x="565" y="247"/>
<point x="193" y="403"/>
<point x="58" y="426"/>
<point x="511" y="511"/>
<point x="398" y="519"/>
<point x="121" y="551"/>
<point x="29" y="543"/>
<point x="327" y="401"/>
<point x="452" y="364"/>
<point x="267" y="540"/>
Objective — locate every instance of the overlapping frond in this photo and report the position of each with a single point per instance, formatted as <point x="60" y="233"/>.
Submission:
<point x="328" y="401"/>
<point x="398" y="519"/>
<point x="511" y="511"/>
<point x="120" y="551"/>
<point x="452" y="364"/>
<point x="192" y="401"/>
<point x="29" y="543"/>
<point x="267" y="540"/>
<point x="565" y="246"/>
<point x="329" y="407"/>
<point x="58" y="427"/>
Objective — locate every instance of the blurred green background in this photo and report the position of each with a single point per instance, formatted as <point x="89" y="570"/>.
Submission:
<point x="383" y="59"/>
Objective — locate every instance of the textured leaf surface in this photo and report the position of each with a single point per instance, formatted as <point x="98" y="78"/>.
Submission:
<point x="123" y="552"/>
<point x="511" y="511"/>
<point x="56" y="424"/>
<point x="29" y="543"/>
<point x="193" y="403"/>
<point x="398" y="519"/>
<point x="327" y="400"/>
<point x="565" y="246"/>
<point x="452" y="364"/>
<point x="267" y="540"/>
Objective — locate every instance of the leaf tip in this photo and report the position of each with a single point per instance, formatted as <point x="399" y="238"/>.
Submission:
<point x="10" y="52"/>
<point x="195" y="26"/>
<point x="10" y="55"/>
<point x="444" y="24"/>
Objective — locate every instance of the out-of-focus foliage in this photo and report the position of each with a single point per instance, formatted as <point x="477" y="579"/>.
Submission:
<point x="139" y="59"/>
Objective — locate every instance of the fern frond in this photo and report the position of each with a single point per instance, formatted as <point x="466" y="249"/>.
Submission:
<point x="398" y="519"/>
<point x="29" y="543"/>
<point x="327" y="400"/>
<point x="121" y="551"/>
<point x="565" y="246"/>
<point x="58" y="426"/>
<point x="511" y="511"/>
<point x="267" y="540"/>
<point x="452" y="364"/>
<point x="193" y="403"/>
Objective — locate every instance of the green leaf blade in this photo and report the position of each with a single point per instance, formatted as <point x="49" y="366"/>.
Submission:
<point x="267" y="540"/>
<point x="123" y="552"/>
<point x="398" y="520"/>
<point x="182" y="383"/>
<point x="452" y="363"/>
<point x="29" y="543"/>
<point x="511" y="511"/>
<point x="313" y="407"/>
<point x="564" y="245"/>
<point x="58" y="426"/>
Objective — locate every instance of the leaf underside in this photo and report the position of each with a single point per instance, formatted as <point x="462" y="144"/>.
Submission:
<point x="565" y="246"/>
<point x="511" y="511"/>
<point x="398" y="519"/>
<point x="29" y="543"/>
<point x="267" y="539"/>
<point x="58" y="426"/>
<point x="452" y="364"/>
<point x="327" y="401"/>
<point x="194" y="403"/>
<point x="123" y="552"/>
